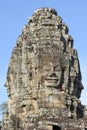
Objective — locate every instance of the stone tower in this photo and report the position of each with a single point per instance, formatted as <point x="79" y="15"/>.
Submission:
<point x="44" y="78"/>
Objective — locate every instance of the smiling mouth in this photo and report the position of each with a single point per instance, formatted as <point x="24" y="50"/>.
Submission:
<point x="51" y="81"/>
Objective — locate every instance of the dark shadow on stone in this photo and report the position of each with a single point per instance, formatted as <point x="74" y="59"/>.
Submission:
<point x="55" y="127"/>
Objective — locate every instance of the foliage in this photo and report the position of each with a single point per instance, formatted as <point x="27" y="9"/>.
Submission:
<point x="4" y="108"/>
<point x="0" y="123"/>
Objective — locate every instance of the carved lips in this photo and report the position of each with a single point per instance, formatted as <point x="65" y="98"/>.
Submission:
<point x="51" y="80"/>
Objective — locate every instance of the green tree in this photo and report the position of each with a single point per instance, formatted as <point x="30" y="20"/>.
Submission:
<point x="0" y="124"/>
<point x="4" y="108"/>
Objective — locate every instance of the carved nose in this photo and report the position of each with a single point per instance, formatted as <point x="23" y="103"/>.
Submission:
<point x="52" y="75"/>
<point x="52" y="69"/>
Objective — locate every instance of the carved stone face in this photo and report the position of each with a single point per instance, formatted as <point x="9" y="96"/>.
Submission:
<point x="50" y="72"/>
<point x="52" y="75"/>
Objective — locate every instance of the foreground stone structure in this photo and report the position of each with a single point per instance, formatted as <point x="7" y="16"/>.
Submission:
<point x="44" y="79"/>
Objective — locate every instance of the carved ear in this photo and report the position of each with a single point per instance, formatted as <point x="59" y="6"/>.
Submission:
<point x="42" y="79"/>
<point x="62" y="63"/>
<point x="30" y="75"/>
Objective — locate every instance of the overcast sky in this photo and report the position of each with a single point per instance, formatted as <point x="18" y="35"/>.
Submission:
<point x="14" y="15"/>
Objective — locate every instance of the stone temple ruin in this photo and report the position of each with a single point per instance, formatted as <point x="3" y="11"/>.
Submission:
<point x="44" y="79"/>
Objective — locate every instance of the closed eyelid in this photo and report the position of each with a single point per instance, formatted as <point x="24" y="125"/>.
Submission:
<point x="57" y="68"/>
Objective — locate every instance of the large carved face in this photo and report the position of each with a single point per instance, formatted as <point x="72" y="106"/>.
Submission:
<point x="48" y="67"/>
<point x="50" y="71"/>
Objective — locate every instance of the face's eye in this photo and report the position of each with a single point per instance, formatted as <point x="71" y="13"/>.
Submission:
<point x="57" y="68"/>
